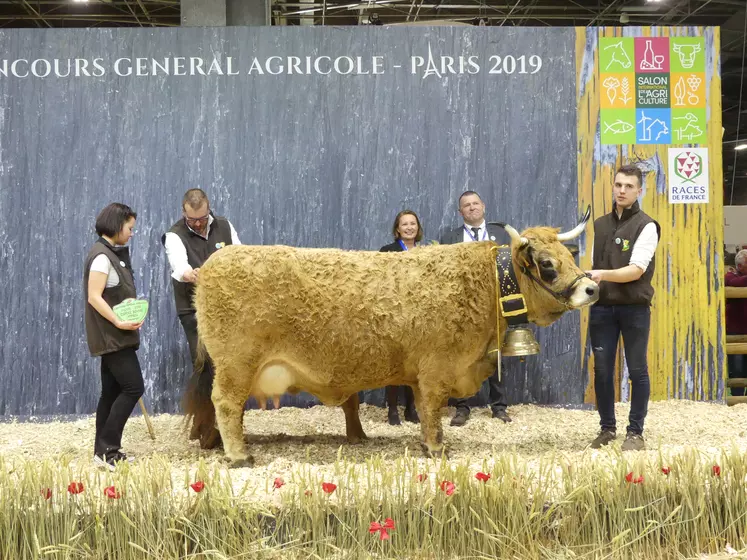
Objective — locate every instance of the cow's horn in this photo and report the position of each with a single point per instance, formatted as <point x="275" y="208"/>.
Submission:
<point x="523" y="241"/>
<point x="575" y="232"/>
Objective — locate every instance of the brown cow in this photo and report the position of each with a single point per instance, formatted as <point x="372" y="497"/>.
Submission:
<point x="329" y="322"/>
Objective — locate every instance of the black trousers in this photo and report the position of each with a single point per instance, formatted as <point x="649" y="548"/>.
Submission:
<point x="496" y="394"/>
<point x="189" y="324"/>
<point x="121" y="387"/>
<point x="197" y="402"/>
<point x="606" y="324"/>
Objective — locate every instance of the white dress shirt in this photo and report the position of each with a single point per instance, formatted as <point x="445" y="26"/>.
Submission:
<point x="177" y="253"/>
<point x="482" y="234"/>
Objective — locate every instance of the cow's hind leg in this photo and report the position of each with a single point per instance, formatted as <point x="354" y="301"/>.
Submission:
<point x="229" y="399"/>
<point x="353" y="429"/>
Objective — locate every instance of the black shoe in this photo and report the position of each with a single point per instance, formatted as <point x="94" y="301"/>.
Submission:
<point x="502" y="415"/>
<point x="393" y="417"/>
<point x="411" y="415"/>
<point x="633" y="442"/>
<point x="460" y="418"/>
<point x="604" y="437"/>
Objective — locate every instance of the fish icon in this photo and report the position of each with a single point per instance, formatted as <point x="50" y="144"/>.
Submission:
<point x="618" y="127"/>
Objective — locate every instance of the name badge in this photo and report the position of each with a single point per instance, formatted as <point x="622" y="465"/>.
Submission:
<point x="220" y="245"/>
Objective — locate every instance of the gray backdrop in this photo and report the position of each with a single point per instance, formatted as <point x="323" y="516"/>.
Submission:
<point x="306" y="160"/>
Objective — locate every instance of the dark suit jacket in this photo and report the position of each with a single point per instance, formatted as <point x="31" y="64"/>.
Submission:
<point x="391" y="248"/>
<point x="495" y="233"/>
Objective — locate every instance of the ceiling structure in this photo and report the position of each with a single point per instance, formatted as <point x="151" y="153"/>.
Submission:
<point x="730" y="15"/>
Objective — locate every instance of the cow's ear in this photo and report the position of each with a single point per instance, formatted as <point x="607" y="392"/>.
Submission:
<point x="572" y="247"/>
<point x="526" y="255"/>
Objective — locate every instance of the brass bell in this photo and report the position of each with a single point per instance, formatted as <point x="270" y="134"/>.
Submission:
<point x="519" y="341"/>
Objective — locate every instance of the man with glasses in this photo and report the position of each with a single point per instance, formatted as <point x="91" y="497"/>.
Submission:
<point x="190" y="241"/>
<point x="623" y="265"/>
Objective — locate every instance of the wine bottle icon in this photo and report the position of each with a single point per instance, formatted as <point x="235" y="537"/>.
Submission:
<point x="651" y="60"/>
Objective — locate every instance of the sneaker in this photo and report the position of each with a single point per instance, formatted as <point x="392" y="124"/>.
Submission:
<point x="122" y="456"/>
<point x="604" y="437"/>
<point x="100" y="461"/>
<point x="502" y="415"/>
<point x="460" y="418"/>
<point x="633" y="442"/>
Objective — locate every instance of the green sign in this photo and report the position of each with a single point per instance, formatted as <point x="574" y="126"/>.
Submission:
<point x="687" y="54"/>
<point x="131" y="310"/>
<point x="616" y="54"/>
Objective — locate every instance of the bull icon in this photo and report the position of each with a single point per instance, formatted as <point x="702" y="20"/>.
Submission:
<point x="687" y="54"/>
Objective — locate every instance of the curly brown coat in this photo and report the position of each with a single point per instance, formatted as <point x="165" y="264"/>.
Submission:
<point x="277" y="319"/>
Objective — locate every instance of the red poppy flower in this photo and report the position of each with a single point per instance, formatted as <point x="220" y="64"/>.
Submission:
<point x="382" y="528"/>
<point x="422" y="477"/>
<point x="448" y="487"/>
<point x="716" y="470"/>
<point x="638" y="480"/>
<point x="111" y="492"/>
<point x="666" y="470"/>
<point x="278" y="483"/>
<point x="328" y="487"/>
<point x="75" y="487"/>
<point x="483" y="477"/>
<point x="198" y="486"/>
<point x="47" y="493"/>
<point x="629" y="477"/>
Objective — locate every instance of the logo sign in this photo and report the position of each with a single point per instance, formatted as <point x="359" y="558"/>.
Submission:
<point x="688" y="175"/>
<point x="688" y="166"/>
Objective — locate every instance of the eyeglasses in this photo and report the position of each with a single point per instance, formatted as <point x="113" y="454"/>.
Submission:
<point x="192" y="221"/>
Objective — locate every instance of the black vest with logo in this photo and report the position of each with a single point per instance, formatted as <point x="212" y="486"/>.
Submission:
<point x="103" y="337"/>
<point x="613" y="244"/>
<point x="198" y="250"/>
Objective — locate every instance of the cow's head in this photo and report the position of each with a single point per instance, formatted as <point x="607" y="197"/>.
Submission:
<point x="547" y="272"/>
<point x="687" y="54"/>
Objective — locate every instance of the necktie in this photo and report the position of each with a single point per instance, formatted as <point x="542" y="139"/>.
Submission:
<point x="476" y="232"/>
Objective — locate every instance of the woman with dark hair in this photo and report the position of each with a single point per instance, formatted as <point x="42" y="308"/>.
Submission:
<point x="107" y="281"/>
<point x="407" y="233"/>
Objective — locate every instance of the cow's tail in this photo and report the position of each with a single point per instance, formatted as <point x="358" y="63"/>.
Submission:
<point x="197" y="402"/>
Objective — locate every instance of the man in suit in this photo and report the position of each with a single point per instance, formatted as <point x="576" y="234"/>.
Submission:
<point x="472" y="210"/>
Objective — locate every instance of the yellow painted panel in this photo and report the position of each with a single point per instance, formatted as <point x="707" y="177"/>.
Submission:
<point x="686" y="354"/>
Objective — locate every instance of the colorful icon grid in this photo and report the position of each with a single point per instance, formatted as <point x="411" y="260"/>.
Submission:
<point x="653" y="90"/>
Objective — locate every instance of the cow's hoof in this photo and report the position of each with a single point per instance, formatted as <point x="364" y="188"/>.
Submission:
<point x="212" y="440"/>
<point x="248" y="462"/>
<point x="355" y="439"/>
<point x="435" y="453"/>
<point x="393" y="419"/>
<point x="412" y="416"/>
<point x="194" y="432"/>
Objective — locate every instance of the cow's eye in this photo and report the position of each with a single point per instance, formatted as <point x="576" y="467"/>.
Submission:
<point x="546" y="264"/>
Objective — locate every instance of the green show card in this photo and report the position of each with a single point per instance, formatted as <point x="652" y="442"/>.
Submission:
<point x="131" y="310"/>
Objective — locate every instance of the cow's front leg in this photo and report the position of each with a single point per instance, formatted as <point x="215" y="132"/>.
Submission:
<point x="429" y="402"/>
<point x="353" y="429"/>
<point x="229" y="403"/>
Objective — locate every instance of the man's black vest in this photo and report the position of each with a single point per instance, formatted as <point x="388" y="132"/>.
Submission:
<point x="198" y="250"/>
<point x="102" y="336"/>
<point x="613" y="244"/>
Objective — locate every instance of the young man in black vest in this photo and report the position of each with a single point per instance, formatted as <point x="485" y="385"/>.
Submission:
<point x="623" y="264"/>
<point x="189" y="243"/>
<point x="472" y="210"/>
